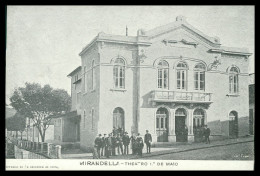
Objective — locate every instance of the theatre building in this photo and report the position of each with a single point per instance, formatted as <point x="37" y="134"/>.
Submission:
<point x="163" y="80"/>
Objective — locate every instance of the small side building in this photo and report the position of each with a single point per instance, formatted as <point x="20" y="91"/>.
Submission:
<point x="67" y="126"/>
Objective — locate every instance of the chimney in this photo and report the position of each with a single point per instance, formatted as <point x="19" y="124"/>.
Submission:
<point x="126" y="31"/>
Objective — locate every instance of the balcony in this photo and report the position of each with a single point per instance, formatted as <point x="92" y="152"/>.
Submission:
<point x="181" y="96"/>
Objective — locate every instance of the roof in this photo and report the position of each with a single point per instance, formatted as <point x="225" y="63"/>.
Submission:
<point x="67" y="115"/>
<point x="74" y="71"/>
<point x="103" y="37"/>
<point x="143" y="37"/>
<point x="78" y="81"/>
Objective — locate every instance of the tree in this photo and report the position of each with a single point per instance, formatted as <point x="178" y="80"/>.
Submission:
<point x="40" y="104"/>
<point x="16" y="123"/>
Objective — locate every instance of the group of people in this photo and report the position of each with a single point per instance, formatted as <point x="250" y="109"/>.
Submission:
<point x="204" y="133"/>
<point x="117" y="142"/>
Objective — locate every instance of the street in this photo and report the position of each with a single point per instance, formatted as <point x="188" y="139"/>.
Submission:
<point x="241" y="151"/>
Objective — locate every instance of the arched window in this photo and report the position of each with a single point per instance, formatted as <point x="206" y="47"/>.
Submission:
<point x="198" y="118"/>
<point x="93" y="82"/>
<point x="85" y="78"/>
<point x="181" y="75"/>
<point x="92" y="119"/>
<point x="163" y="74"/>
<point x="84" y="118"/>
<point x="119" y="73"/>
<point x="199" y="77"/>
<point x="118" y="118"/>
<point x="233" y="80"/>
<point x="162" y="124"/>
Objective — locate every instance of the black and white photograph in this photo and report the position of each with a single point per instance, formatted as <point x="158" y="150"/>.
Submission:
<point x="130" y="87"/>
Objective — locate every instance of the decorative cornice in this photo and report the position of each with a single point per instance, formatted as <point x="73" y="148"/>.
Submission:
<point x="222" y="51"/>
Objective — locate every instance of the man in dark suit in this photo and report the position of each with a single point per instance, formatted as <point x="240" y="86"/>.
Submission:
<point x="119" y="143"/>
<point x="113" y="140"/>
<point x="108" y="145"/>
<point x="207" y="134"/>
<point x="126" y="141"/>
<point x="103" y="145"/>
<point x="98" y="144"/>
<point x="148" y="141"/>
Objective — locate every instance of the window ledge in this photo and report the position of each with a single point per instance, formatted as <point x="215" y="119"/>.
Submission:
<point x="93" y="90"/>
<point x="120" y="90"/>
<point x="233" y="95"/>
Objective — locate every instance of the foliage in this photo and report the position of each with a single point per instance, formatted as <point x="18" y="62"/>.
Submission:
<point x="40" y="104"/>
<point x="16" y="123"/>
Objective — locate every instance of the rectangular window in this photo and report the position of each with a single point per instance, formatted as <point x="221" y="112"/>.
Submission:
<point x="93" y="81"/>
<point x="160" y="78"/>
<point x="115" y="76"/>
<point x="78" y="98"/>
<point x="163" y="78"/>
<point x="181" y="79"/>
<point x="85" y="78"/>
<point x="233" y="84"/>
<point x="84" y="118"/>
<point x="157" y="122"/>
<point x="162" y="124"/>
<point x="165" y="81"/>
<point x="178" y="80"/>
<point x="199" y="80"/>
<point x="121" y="77"/>
<point x="196" y="80"/>
<point x="202" y="81"/>
<point x="92" y="119"/>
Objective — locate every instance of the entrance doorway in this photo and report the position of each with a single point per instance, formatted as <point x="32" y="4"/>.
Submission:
<point x="198" y="125"/>
<point x="162" y="117"/>
<point x="233" y="124"/>
<point x="181" y="129"/>
<point x="118" y="118"/>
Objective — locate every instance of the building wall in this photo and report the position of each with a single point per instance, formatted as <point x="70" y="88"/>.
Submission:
<point x="110" y="97"/>
<point x="90" y="99"/>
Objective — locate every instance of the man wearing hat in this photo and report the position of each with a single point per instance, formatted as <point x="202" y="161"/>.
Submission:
<point x="103" y="145"/>
<point x="140" y="144"/>
<point x="98" y="144"/>
<point x="126" y="141"/>
<point x="108" y="145"/>
<point x="148" y="141"/>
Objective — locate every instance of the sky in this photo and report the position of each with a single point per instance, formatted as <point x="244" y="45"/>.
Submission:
<point x="44" y="42"/>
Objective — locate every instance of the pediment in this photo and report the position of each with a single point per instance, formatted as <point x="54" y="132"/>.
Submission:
<point x="184" y="28"/>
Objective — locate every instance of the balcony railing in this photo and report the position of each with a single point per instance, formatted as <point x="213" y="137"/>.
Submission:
<point x="180" y="96"/>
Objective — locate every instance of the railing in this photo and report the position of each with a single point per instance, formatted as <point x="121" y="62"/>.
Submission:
<point x="40" y="148"/>
<point x="180" y="96"/>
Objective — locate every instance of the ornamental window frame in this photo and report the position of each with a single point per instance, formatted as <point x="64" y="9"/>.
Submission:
<point x="233" y="77"/>
<point x="119" y="69"/>
<point x="163" y="75"/>
<point x="181" y="75"/>
<point x="199" y="77"/>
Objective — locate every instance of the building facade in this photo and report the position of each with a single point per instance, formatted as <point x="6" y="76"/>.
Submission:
<point x="163" y="80"/>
